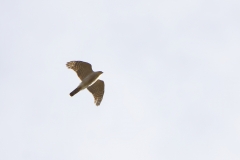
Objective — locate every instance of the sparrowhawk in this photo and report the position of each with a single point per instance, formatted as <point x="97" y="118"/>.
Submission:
<point x="89" y="80"/>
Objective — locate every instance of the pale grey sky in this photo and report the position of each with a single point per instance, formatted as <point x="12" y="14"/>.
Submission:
<point x="171" y="70"/>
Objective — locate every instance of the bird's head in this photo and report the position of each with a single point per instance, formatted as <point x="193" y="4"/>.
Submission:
<point x="99" y="72"/>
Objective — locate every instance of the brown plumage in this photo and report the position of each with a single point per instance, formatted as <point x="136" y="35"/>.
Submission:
<point x="89" y="80"/>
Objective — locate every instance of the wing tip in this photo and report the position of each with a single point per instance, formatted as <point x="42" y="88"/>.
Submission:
<point x="69" y="64"/>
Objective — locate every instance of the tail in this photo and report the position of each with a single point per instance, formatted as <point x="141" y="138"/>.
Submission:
<point x="75" y="91"/>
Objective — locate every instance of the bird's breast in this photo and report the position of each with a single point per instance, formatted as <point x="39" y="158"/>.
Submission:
<point x="90" y="79"/>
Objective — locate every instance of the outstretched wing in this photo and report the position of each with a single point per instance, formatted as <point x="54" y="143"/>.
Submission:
<point x="83" y="69"/>
<point x="97" y="90"/>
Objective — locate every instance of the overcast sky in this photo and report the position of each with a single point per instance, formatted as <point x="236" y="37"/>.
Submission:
<point x="171" y="73"/>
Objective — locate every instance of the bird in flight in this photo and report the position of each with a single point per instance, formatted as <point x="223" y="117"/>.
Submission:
<point x="89" y="80"/>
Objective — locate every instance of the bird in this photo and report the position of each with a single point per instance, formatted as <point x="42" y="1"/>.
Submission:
<point x="89" y="78"/>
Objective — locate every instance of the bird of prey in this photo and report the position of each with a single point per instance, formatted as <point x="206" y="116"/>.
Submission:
<point x="89" y="80"/>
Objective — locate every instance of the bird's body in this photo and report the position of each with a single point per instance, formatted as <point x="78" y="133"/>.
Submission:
<point x="89" y="80"/>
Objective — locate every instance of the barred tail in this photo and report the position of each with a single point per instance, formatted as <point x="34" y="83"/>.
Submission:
<point x="75" y="91"/>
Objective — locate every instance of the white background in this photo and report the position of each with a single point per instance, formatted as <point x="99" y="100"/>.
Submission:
<point x="171" y="73"/>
